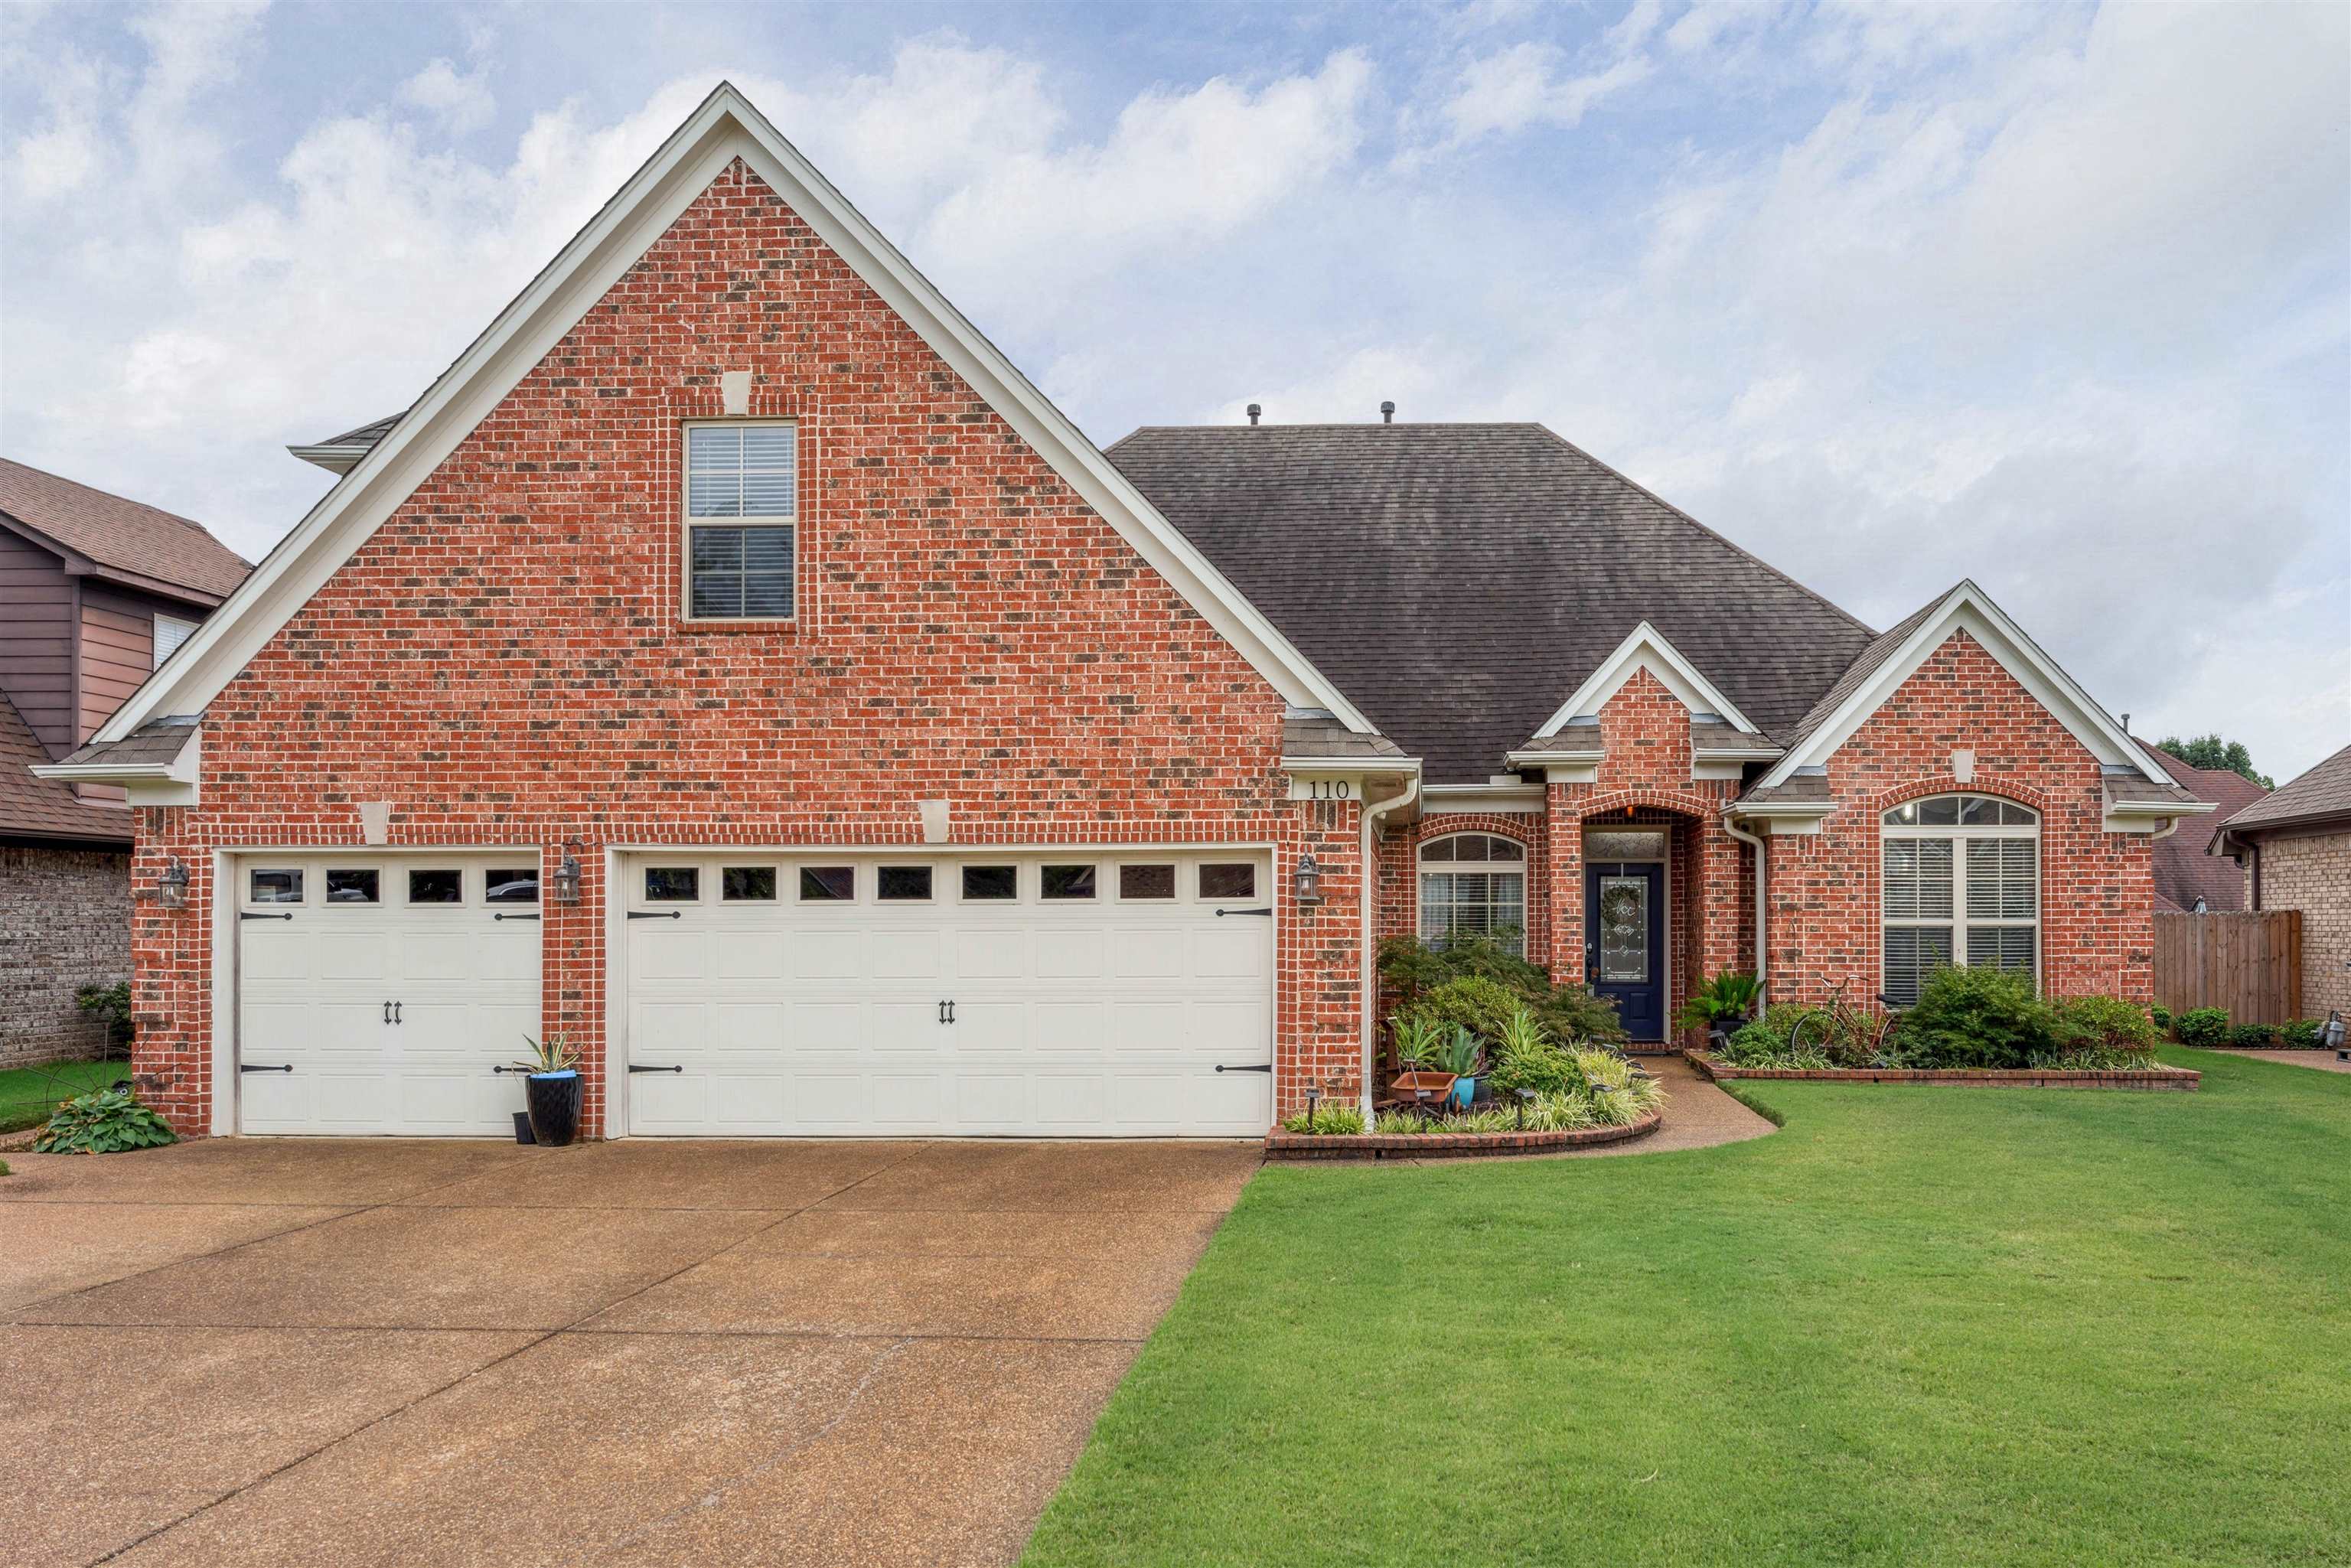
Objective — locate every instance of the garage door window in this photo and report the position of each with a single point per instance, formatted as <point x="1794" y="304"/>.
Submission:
<point x="985" y="882"/>
<point x="904" y="884"/>
<point x="1220" y="881"/>
<point x="1067" y="881"/>
<point x="275" y="886"/>
<point x="828" y="884"/>
<point x="511" y="884"/>
<point x="436" y="887"/>
<point x="1146" y="882"/>
<point x="746" y="885"/>
<point x="673" y="885"/>
<point x="353" y="886"/>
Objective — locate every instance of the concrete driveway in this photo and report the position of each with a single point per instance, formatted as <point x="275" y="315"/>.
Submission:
<point x="372" y="1351"/>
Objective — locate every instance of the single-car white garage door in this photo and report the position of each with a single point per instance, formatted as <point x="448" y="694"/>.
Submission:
<point x="1064" y="994"/>
<point x="377" y="993"/>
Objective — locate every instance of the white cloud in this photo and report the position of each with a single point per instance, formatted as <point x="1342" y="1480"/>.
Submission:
<point x="460" y="101"/>
<point x="1531" y="84"/>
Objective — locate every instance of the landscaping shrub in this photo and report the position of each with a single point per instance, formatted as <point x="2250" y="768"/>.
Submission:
<point x="2202" y="1026"/>
<point x="104" y="1122"/>
<point x="1414" y="971"/>
<point x="1573" y="1012"/>
<point x="1468" y="1001"/>
<point x="2302" y="1034"/>
<point x="1764" y="1043"/>
<point x="1328" y="1119"/>
<point x="2102" y="1023"/>
<point x="111" y="1005"/>
<point x="1975" y="1018"/>
<point x="1527" y="1056"/>
<point x="2252" y="1036"/>
<point x="2162" y="1017"/>
<point x="1569" y="1111"/>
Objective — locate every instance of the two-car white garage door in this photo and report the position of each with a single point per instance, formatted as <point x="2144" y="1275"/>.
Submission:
<point x="1059" y="993"/>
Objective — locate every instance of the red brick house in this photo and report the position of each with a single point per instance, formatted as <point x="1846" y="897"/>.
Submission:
<point x="733" y="664"/>
<point x="96" y="591"/>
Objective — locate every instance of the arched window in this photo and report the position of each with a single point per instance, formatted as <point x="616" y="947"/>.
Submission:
<point x="1962" y="886"/>
<point x="1474" y="884"/>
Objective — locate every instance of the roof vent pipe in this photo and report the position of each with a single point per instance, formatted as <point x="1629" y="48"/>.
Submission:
<point x="1387" y="413"/>
<point x="1254" y="412"/>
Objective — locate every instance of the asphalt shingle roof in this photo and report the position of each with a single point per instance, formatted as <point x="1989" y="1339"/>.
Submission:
<point x="33" y="808"/>
<point x="1459" y="581"/>
<point x="2323" y="792"/>
<point x="128" y="535"/>
<point x="2184" y="871"/>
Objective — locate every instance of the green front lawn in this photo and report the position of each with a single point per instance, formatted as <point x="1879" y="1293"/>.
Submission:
<point x="1916" y="1325"/>
<point x="27" y="1094"/>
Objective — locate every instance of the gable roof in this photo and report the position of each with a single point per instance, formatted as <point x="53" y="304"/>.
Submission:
<point x="725" y="127"/>
<point x="2184" y="870"/>
<point x="125" y="539"/>
<point x="1645" y="648"/>
<point x="1461" y="581"/>
<point x="33" y="808"/>
<point x="340" y="454"/>
<point x="1881" y="667"/>
<point x="2321" y="795"/>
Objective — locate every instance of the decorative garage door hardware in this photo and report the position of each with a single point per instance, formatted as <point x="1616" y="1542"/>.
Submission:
<point x="1245" y="1067"/>
<point x="250" y="915"/>
<point x="250" y="1067"/>
<point x="503" y="914"/>
<point x="656" y="913"/>
<point x="640" y="1067"/>
<point x="1264" y="912"/>
<point x="391" y="1012"/>
<point x="946" y="1012"/>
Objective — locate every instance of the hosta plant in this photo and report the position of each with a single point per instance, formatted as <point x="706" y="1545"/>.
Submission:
<point x="103" y="1122"/>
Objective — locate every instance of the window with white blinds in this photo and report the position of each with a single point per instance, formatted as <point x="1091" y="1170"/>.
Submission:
<point x="169" y="632"/>
<point x="1962" y="886"/>
<point x="1473" y="884"/>
<point x="742" y="508"/>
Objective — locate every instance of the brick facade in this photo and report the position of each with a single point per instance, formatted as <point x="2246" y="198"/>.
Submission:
<point x="64" y="923"/>
<point x="503" y="660"/>
<point x="2311" y="873"/>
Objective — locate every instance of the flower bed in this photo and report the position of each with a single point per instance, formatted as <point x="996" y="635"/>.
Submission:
<point x="1281" y="1144"/>
<point x="2179" y="1078"/>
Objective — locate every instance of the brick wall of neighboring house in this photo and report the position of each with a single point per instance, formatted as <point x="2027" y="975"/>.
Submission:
<point x="2313" y="874"/>
<point x="2097" y="888"/>
<point x="504" y="661"/>
<point x="64" y="923"/>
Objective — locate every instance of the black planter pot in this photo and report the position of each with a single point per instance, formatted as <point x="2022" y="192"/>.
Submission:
<point x="522" y="1128"/>
<point x="554" y="1099"/>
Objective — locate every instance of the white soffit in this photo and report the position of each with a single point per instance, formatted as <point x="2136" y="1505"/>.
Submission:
<point x="1647" y="649"/>
<point x="724" y="128"/>
<point x="1969" y="609"/>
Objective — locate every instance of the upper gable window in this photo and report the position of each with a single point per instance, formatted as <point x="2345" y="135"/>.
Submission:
<point x="170" y="630"/>
<point x="741" y="568"/>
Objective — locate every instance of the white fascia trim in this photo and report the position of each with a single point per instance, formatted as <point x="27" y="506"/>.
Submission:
<point x="1645" y="648"/>
<point x="1547" y="759"/>
<point x="1364" y="764"/>
<point x="724" y="128"/>
<point x="1733" y="753"/>
<point x="333" y="459"/>
<point x="2159" y="818"/>
<point x="1502" y="800"/>
<point x="1969" y="609"/>
<point x="173" y="783"/>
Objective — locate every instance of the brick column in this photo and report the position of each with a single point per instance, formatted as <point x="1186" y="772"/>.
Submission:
<point x="1319" y="954"/>
<point x="1564" y="828"/>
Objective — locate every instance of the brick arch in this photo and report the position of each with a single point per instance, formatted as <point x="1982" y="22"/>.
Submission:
<point x="2011" y="789"/>
<point x="1656" y="800"/>
<point x="1400" y="866"/>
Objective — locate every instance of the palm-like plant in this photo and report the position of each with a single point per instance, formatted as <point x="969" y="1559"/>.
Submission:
<point x="1460" y="1053"/>
<point x="1727" y="996"/>
<point x="1418" y="1039"/>
<point x="553" y="1054"/>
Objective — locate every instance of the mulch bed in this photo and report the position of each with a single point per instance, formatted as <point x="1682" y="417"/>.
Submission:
<point x="2153" y="1078"/>
<point x="1281" y="1144"/>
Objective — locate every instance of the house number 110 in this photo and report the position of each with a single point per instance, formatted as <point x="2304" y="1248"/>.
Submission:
<point x="1327" y="788"/>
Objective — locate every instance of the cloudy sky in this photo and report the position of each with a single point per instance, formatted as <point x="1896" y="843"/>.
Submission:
<point x="2058" y="298"/>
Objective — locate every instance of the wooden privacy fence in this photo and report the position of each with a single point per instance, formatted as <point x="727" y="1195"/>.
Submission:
<point x="2248" y="965"/>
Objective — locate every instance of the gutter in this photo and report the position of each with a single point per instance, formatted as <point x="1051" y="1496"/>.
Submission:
<point x="1370" y="980"/>
<point x="1731" y="825"/>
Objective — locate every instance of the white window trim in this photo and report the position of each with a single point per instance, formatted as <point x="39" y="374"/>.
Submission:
<point x="688" y="522"/>
<point x="1959" y="920"/>
<point x="1422" y="870"/>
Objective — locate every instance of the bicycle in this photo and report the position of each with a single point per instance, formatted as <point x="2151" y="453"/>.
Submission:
<point x="1842" y="1028"/>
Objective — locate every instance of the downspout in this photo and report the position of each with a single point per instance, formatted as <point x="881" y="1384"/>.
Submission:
<point x="1731" y="825"/>
<point x="1369" y="981"/>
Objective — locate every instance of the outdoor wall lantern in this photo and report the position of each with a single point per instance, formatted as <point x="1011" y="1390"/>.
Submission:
<point x="1306" y="880"/>
<point x="566" y="879"/>
<point x="172" y="884"/>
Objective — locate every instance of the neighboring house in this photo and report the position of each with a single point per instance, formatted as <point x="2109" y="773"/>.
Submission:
<point x="733" y="664"/>
<point x="2293" y="848"/>
<point x="95" y="593"/>
<point x="2187" y="876"/>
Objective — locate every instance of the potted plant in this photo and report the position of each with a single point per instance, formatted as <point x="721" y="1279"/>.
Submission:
<point x="1420" y="1040"/>
<point x="1461" y="1053"/>
<point x="1722" y="1007"/>
<point x="551" y="1089"/>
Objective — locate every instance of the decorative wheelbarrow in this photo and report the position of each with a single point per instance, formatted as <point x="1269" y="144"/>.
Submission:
<point x="1426" y="1091"/>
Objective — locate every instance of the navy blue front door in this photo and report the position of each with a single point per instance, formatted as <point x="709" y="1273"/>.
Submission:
<point x="1625" y="942"/>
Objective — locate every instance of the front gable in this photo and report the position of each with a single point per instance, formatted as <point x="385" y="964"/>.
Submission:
<point x="726" y="139"/>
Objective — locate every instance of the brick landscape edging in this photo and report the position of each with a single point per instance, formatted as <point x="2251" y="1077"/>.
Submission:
<point x="1281" y="1144"/>
<point x="2154" y="1078"/>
